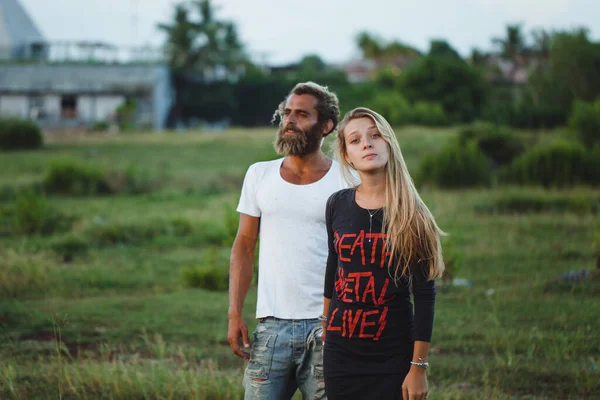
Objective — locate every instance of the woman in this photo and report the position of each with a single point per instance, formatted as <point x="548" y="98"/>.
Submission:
<point x="383" y="245"/>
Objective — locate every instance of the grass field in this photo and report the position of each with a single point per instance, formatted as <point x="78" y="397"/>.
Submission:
<point x="115" y="319"/>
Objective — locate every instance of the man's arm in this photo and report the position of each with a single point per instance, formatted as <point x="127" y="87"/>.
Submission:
<point x="241" y="269"/>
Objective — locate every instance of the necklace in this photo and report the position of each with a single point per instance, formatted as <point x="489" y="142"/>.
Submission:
<point x="371" y="220"/>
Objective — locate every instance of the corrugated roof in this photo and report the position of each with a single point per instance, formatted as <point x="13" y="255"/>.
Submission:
<point x="16" y="29"/>
<point x="73" y="78"/>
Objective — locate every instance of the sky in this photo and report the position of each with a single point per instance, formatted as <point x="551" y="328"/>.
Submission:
<point x="280" y="32"/>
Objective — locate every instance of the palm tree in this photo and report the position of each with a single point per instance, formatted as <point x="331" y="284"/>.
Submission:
<point x="206" y="48"/>
<point x="513" y="45"/>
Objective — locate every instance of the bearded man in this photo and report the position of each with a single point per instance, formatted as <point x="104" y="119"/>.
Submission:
<point x="285" y="200"/>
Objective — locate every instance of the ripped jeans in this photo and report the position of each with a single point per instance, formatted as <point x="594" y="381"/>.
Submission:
<point x="286" y="355"/>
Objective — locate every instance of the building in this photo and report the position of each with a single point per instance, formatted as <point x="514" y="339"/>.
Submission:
<point x="76" y="83"/>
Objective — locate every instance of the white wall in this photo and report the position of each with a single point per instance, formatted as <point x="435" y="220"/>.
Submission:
<point x="17" y="106"/>
<point x="106" y="106"/>
<point x="52" y="106"/>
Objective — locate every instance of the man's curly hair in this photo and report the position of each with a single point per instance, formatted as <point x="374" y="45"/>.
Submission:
<point x="328" y="105"/>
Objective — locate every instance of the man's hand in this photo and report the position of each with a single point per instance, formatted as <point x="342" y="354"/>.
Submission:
<point x="237" y="327"/>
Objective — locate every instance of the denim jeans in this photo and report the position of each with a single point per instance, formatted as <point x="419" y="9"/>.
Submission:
<point x="286" y="355"/>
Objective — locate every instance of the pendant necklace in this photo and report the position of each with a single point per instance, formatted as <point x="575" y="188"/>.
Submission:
<point x="371" y="220"/>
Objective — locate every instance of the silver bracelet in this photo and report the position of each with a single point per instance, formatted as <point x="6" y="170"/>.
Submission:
<point x="421" y="364"/>
<point x="322" y="317"/>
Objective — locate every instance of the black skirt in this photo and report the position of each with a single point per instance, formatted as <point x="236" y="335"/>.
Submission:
<point x="348" y="376"/>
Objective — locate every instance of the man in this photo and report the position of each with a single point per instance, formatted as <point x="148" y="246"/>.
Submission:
<point x="286" y="199"/>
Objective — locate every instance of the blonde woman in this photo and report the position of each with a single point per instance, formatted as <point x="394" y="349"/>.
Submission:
<point x="384" y="244"/>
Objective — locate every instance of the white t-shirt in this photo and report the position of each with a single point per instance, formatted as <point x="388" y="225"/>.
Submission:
<point x="293" y="239"/>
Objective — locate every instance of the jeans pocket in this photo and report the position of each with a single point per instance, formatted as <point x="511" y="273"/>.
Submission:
<point x="261" y="355"/>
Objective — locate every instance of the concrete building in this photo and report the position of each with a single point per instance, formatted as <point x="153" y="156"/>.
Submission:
<point x="77" y="88"/>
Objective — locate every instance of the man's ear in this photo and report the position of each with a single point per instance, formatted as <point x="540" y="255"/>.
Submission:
<point x="327" y="128"/>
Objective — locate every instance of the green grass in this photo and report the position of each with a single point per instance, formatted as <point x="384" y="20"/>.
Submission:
<point x="113" y="319"/>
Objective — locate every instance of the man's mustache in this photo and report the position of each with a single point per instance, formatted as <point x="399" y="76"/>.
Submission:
<point x="290" y="127"/>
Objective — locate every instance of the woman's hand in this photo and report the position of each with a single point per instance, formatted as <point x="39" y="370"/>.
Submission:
<point x="415" y="384"/>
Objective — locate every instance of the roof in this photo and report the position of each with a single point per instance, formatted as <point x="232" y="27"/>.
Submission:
<point x="17" y="29"/>
<point x="76" y="78"/>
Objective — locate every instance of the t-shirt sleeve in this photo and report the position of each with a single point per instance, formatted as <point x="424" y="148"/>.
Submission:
<point x="248" y="204"/>
<point x="424" y="299"/>
<point x="332" y="257"/>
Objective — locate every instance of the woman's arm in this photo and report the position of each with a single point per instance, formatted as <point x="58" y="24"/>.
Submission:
<point x="415" y="384"/>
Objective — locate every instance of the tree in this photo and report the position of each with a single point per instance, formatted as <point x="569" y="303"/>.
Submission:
<point x="203" y="48"/>
<point x="513" y="45"/>
<point x="374" y="48"/>
<point x="457" y="86"/>
<point x="442" y="48"/>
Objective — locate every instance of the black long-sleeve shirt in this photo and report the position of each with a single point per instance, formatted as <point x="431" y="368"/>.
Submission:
<point x="371" y="318"/>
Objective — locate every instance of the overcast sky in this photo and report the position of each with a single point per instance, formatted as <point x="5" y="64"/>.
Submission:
<point x="285" y="30"/>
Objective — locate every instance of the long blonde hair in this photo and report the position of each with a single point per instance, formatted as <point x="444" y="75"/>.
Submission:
<point x="412" y="233"/>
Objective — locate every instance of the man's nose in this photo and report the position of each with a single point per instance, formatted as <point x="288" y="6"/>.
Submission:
<point x="289" y="119"/>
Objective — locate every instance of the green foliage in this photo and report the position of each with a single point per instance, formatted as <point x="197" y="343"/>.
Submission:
<point x="19" y="134"/>
<point x="75" y="178"/>
<point x="392" y="106"/>
<point x="122" y="233"/>
<point x="126" y="115"/>
<point x="523" y="202"/>
<point x="591" y="166"/>
<point x="22" y="273"/>
<point x="457" y="165"/>
<point x="34" y="215"/>
<point x="100" y="126"/>
<point x="585" y="121"/>
<point x="458" y="87"/>
<point x="72" y="177"/>
<point x="442" y="48"/>
<point x="71" y="244"/>
<point x="213" y="274"/>
<point x="498" y="143"/>
<point x="428" y="114"/>
<point x="559" y="164"/>
<point x="596" y="247"/>
<point x="569" y="73"/>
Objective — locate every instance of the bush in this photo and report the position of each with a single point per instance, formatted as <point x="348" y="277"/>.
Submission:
<point x="585" y="121"/>
<point x="524" y="202"/>
<point x="457" y="165"/>
<point x="131" y="181"/>
<point x="33" y="214"/>
<point x="591" y="166"/>
<point x="135" y="234"/>
<point x="212" y="275"/>
<point x="499" y="144"/>
<point x="100" y="126"/>
<point x="70" y="244"/>
<point x="18" y="134"/>
<point x="560" y="164"/>
<point x="75" y="178"/>
<point x="393" y="107"/>
<point x="23" y="274"/>
<point x="428" y="114"/>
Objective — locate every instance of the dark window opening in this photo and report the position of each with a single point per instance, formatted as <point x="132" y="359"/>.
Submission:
<point x="68" y="106"/>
